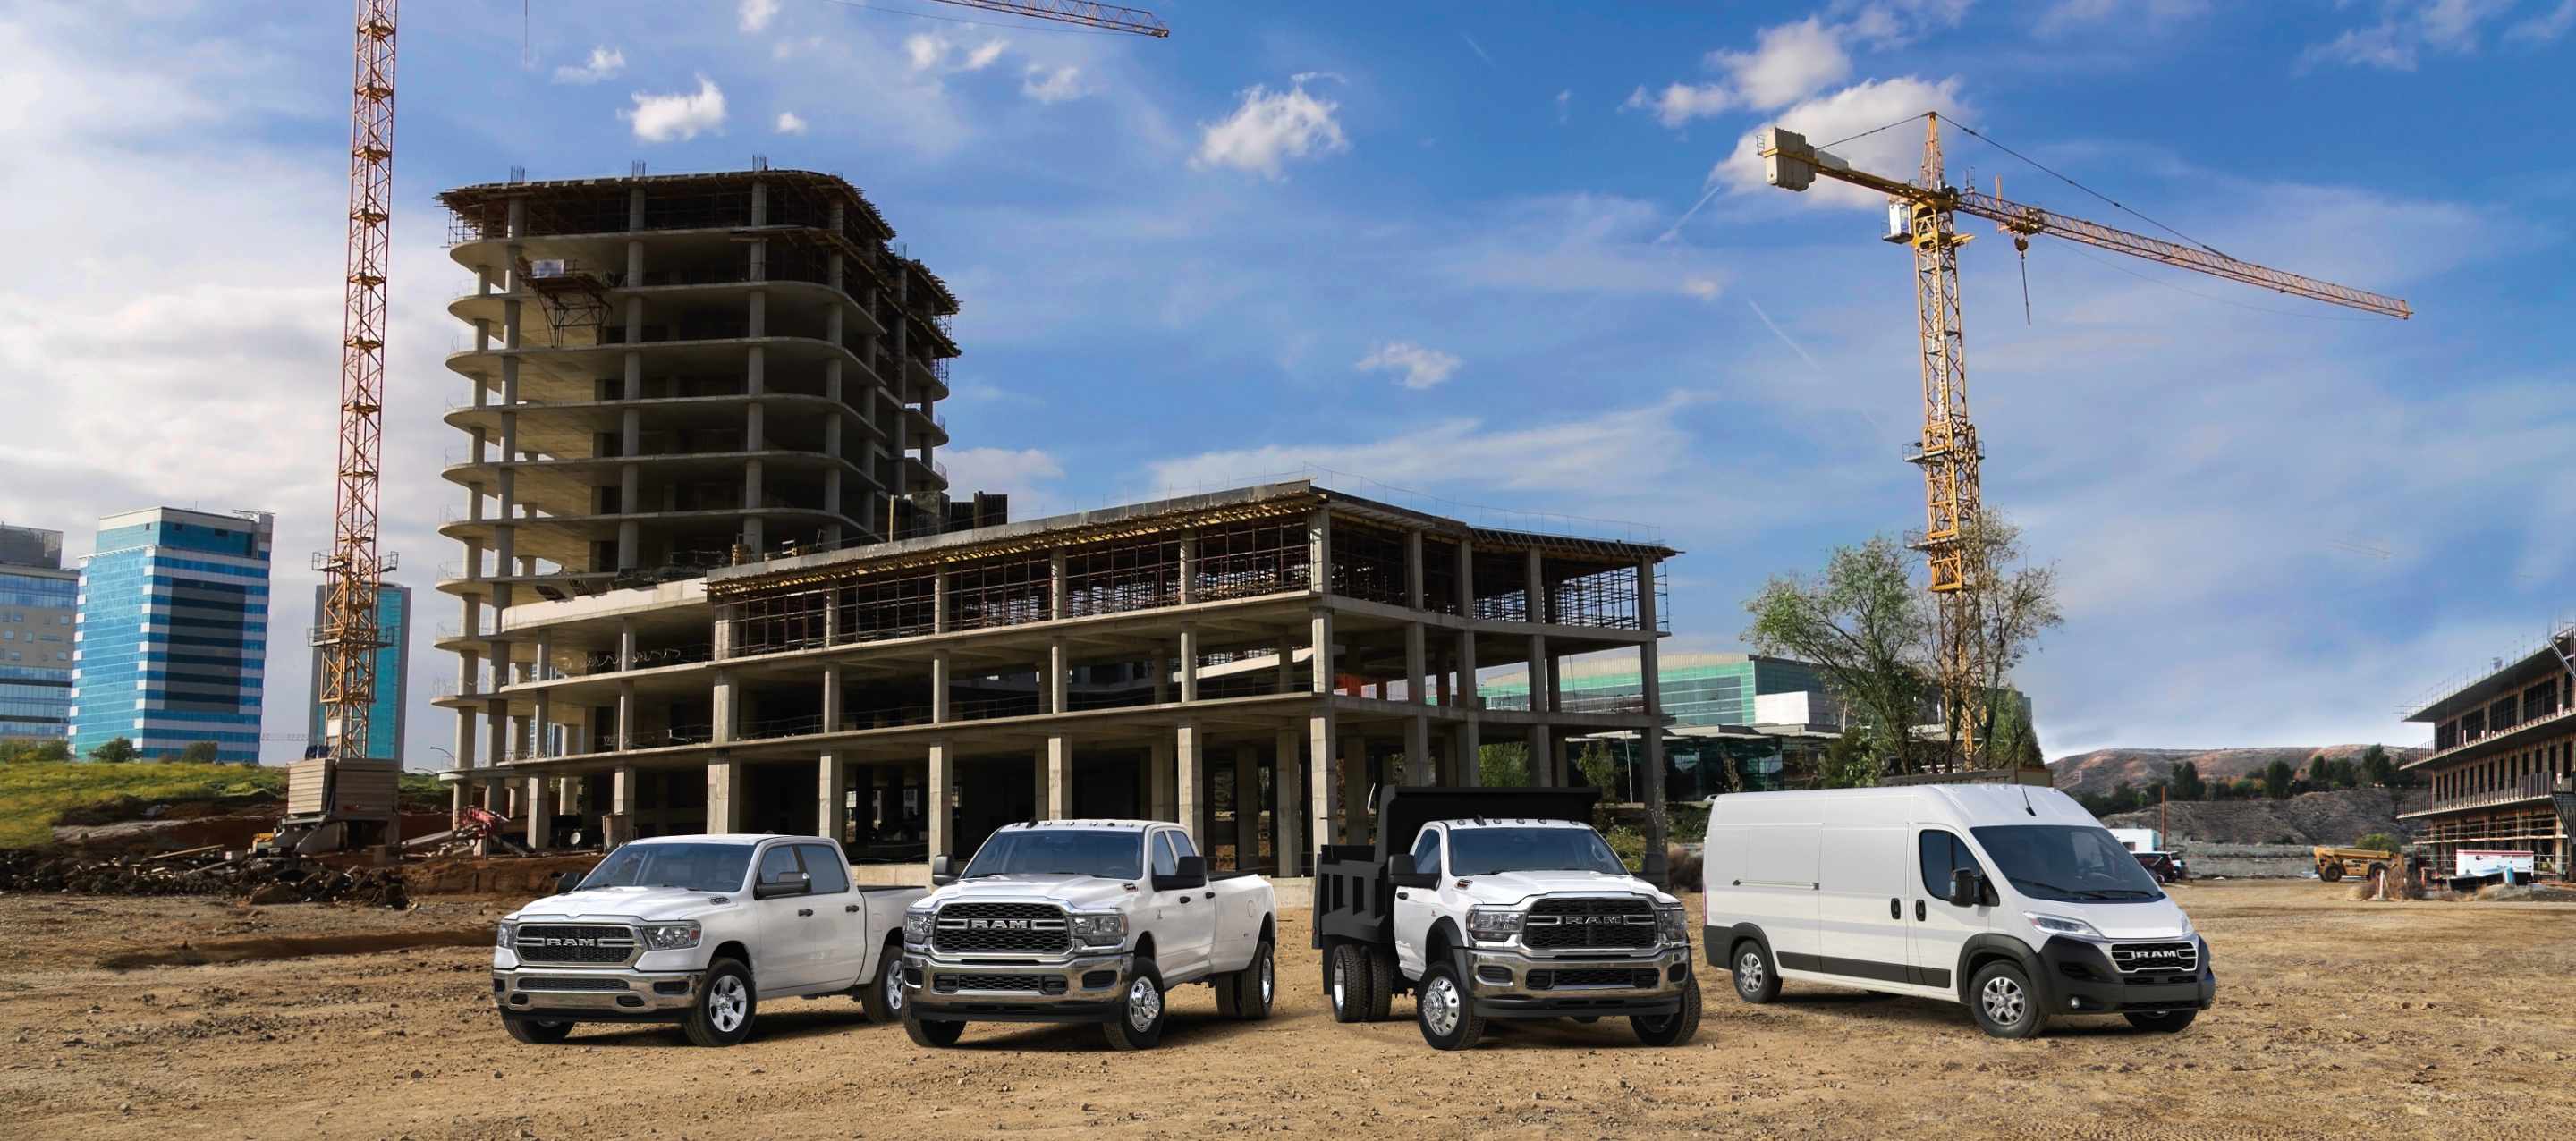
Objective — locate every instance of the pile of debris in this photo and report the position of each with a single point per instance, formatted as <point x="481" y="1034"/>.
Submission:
<point x="256" y="879"/>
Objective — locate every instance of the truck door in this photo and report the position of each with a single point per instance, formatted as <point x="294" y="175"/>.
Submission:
<point x="840" y="918"/>
<point x="783" y="957"/>
<point x="1184" y="920"/>
<point x="1416" y="909"/>
<point x="1941" y="929"/>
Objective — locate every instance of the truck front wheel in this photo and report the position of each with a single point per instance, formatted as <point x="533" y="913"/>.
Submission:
<point x="935" y="1035"/>
<point x="1446" y="1010"/>
<point x="726" y="1004"/>
<point x="1138" y="1024"/>
<point x="1674" y="1029"/>
<point x="534" y="1032"/>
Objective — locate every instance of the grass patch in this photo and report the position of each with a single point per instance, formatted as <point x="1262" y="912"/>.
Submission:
<point x="33" y="794"/>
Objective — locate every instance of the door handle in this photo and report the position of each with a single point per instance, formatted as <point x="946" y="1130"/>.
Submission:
<point x="851" y="908"/>
<point x="804" y="912"/>
<point x="1892" y="910"/>
<point x="1918" y="911"/>
<point x="1211" y="895"/>
<point x="1401" y="895"/>
<point x="1185" y="899"/>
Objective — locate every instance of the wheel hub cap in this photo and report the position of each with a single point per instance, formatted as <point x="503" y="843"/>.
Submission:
<point x="894" y="989"/>
<point x="729" y="1003"/>
<point x="1748" y="972"/>
<point x="1440" y="1006"/>
<point x="1266" y="982"/>
<point x="1144" y="1004"/>
<point x="1338" y="1002"/>
<point x="2003" y="1001"/>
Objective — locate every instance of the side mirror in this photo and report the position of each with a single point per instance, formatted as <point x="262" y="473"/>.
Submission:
<point x="568" y="882"/>
<point x="1190" y="872"/>
<point x="792" y="883"/>
<point x="1967" y="888"/>
<point x="943" y="871"/>
<point x="1399" y="871"/>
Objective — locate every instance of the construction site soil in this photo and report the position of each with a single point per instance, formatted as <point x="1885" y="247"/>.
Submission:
<point x="2335" y="1018"/>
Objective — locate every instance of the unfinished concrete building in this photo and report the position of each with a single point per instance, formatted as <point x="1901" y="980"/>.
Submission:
<point x="670" y="374"/>
<point x="1249" y="663"/>
<point x="2504" y="742"/>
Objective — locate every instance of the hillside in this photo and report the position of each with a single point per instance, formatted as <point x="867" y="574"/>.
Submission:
<point x="2100" y="771"/>
<point x="2331" y="818"/>
<point x="35" y="794"/>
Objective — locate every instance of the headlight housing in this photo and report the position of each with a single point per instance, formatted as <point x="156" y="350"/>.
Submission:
<point x="1100" y="929"/>
<point x="2060" y="925"/>
<point x="506" y="936"/>
<point x="917" y="926"/>
<point x="670" y="936"/>
<point x="1493" y="926"/>
<point x="1676" y="928"/>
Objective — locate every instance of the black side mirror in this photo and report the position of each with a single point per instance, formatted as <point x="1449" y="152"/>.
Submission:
<point x="791" y="883"/>
<point x="1399" y="871"/>
<point x="943" y="871"/>
<point x="1188" y="872"/>
<point x="1967" y="888"/>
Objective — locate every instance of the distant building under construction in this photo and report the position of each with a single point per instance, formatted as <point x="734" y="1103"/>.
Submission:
<point x="2502" y="744"/>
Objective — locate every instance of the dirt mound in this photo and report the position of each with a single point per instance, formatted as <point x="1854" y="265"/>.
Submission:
<point x="2330" y="818"/>
<point x="250" y="950"/>
<point x="493" y="875"/>
<point x="265" y="880"/>
<point x="2102" y="770"/>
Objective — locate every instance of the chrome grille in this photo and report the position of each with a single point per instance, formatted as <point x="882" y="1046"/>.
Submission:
<point x="1022" y="927"/>
<point x="2140" y="958"/>
<point x="1620" y="924"/>
<point x="583" y="944"/>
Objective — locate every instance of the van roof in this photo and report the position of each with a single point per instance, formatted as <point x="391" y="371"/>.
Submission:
<point x="1960" y="805"/>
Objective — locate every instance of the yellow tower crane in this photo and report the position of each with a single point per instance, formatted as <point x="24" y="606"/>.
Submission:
<point x="1921" y="215"/>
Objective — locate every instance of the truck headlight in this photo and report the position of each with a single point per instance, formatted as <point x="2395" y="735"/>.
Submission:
<point x="670" y="936"/>
<point x="506" y="936"/>
<point x="917" y="926"/>
<point x="1100" y="929"/>
<point x="2061" y="925"/>
<point x="1492" y="926"/>
<point x="1676" y="928"/>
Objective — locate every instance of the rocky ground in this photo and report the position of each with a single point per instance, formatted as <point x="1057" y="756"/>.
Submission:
<point x="2334" y="819"/>
<point x="2336" y="1018"/>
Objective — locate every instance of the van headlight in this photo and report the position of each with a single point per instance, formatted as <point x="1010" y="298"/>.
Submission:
<point x="2061" y="925"/>
<point x="1676" y="928"/>
<point x="670" y="936"/>
<point x="917" y="925"/>
<point x="1100" y="929"/>
<point x="1492" y="926"/>
<point x="507" y="936"/>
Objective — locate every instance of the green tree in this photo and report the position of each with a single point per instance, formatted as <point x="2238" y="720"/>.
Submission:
<point x="2016" y="740"/>
<point x="1850" y="761"/>
<point x="202" y="752"/>
<point x="2186" y="783"/>
<point x="2124" y="797"/>
<point x="2320" y="772"/>
<point x="115" y="750"/>
<point x="1602" y="771"/>
<point x="2013" y="605"/>
<point x="1864" y="624"/>
<point x="2376" y="767"/>
<point x="2380" y="842"/>
<point x="2346" y="774"/>
<point x="1504" y="765"/>
<point x="2279" y="780"/>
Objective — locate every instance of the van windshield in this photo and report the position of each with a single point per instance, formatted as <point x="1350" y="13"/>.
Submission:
<point x="692" y="867"/>
<point x="1489" y="851"/>
<point x="2067" y="863"/>
<point x="1098" y="853"/>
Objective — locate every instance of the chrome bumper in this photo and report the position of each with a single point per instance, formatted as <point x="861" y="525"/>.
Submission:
<point x="939" y="986"/>
<point x="1505" y="982"/>
<point x="579" y="994"/>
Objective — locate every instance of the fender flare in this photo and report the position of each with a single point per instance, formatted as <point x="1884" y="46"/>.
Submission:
<point x="1986" y="946"/>
<point x="1722" y="940"/>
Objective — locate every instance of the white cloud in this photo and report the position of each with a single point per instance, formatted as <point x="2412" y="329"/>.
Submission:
<point x="1788" y="63"/>
<point x="924" y="50"/>
<point x="756" y="14"/>
<point x="2125" y="17"/>
<point x="1679" y="103"/>
<point x="1027" y="475"/>
<point x="982" y="55"/>
<point x="665" y="118"/>
<point x="929" y="50"/>
<point x="790" y="123"/>
<point x="1422" y="367"/>
<point x="1565" y="99"/>
<point x="603" y="62"/>
<point x="1850" y="111"/>
<point x="2546" y="27"/>
<point x="1052" y="85"/>
<point x="1704" y="288"/>
<point x="1270" y="128"/>
<point x="2406" y="29"/>
<point x="1556" y="455"/>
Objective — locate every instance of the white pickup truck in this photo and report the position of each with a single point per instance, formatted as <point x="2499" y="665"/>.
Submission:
<point x="1499" y="903"/>
<point x="700" y="930"/>
<point x="1084" y="921"/>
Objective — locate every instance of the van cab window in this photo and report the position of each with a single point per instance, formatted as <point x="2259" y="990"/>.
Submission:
<point x="829" y="874"/>
<point x="1426" y="853"/>
<point x="2067" y="863"/>
<point x="1941" y="854"/>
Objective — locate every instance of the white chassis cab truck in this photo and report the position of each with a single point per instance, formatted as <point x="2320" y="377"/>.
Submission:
<point x="1084" y="921"/>
<point x="1499" y="903"/>
<point x="700" y="930"/>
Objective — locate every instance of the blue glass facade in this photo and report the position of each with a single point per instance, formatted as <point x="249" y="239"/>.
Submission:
<point x="173" y="632"/>
<point x="385" y="721"/>
<point x="38" y="602"/>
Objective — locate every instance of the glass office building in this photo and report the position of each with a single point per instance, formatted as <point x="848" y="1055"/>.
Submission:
<point x="38" y="602"/>
<point x="173" y="631"/>
<point x="1699" y="689"/>
<point x="385" y="719"/>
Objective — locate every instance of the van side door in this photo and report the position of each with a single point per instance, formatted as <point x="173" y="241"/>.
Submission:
<point x="1417" y="908"/>
<point x="1942" y="929"/>
<point x="1861" y="904"/>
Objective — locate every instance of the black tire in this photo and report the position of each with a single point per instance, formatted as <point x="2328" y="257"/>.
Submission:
<point x="1346" y="982"/>
<point x="1245" y="995"/>
<point x="2162" y="1021"/>
<point x="1142" y="1009"/>
<point x="1757" y="979"/>
<point x="535" y="1032"/>
<point x="2330" y="872"/>
<point x="882" y="996"/>
<point x="2376" y="871"/>
<point x="932" y="1035"/>
<point x="727" y="1003"/>
<point x="2004" y="1003"/>
<point x="1381" y="976"/>
<point x="1675" y="1029"/>
<point x="1446" y="1010"/>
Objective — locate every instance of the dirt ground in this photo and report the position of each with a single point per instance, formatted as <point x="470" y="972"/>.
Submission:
<point x="2335" y="1018"/>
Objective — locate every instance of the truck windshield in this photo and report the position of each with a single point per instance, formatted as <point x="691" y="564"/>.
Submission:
<point x="694" y="867"/>
<point x="1487" y="851"/>
<point x="2067" y="863"/>
<point x="1061" y="852"/>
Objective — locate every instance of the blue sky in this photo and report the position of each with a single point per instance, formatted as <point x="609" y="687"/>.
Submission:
<point x="1452" y="248"/>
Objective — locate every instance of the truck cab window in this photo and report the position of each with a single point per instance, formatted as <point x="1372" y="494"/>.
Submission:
<point x="1426" y="852"/>
<point x="830" y="876"/>
<point x="1181" y="845"/>
<point x="1164" y="863"/>
<point x="778" y="862"/>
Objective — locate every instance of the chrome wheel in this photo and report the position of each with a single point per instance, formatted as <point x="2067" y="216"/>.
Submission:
<point x="1341" y="985"/>
<point x="1269" y="986"/>
<point x="728" y="1003"/>
<point x="1440" y="1005"/>
<point x="1144" y="1004"/>
<point x="894" y="988"/>
<point x="2003" y="1000"/>
<point x="1748" y="972"/>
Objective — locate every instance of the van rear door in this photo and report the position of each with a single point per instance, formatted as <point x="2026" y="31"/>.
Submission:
<point x="1860" y="908"/>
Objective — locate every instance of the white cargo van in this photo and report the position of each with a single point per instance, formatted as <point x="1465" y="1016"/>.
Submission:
<point x="2013" y="901"/>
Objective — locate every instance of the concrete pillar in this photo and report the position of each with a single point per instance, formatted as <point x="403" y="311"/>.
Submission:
<point x="1542" y="768"/>
<point x="1247" y="807"/>
<point x="939" y="666"/>
<point x="621" y="805"/>
<point x="725" y="795"/>
<point x="1056" y="778"/>
<point x="1417" y="686"/>
<point x="1287" y="667"/>
<point x="1471" y="762"/>
<point x="541" y="813"/>
<point x="939" y="602"/>
<point x="1650" y="680"/>
<point x="940" y="811"/>
<point x="1190" y="797"/>
<point x="1287" y="836"/>
<point x="1319" y="550"/>
<point x="831" y="788"/>
<point x="1162" y="667"/>
<point x="1058" y="678"/>
<point x="1323" y="796"/>
<point x="835" y="699"/>
<point x="545" y="745"/>
<point x="1057" y="598"/>
<point x="1189" y="569"/>
<point x="1189" y="665"/>
<point x="1417" y="749"/>
<point x="1161" y="796"/>
<point x="1356" y="777"/>
<point x="625" y="715"/>
<point x="1466" y="694"/>
<point x="1413" y="569"/>
<point x="726" y="709"/>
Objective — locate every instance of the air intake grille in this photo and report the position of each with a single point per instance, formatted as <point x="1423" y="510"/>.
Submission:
<point x="1022" y="927"/>
<point x="2140" y="958"/>
<point x="582" y="944"/>
<point x="1621" y="924"/>
<point x="547" y="982"/>
<point x="1592" y="977"/>
<point x="1031" y="984"/>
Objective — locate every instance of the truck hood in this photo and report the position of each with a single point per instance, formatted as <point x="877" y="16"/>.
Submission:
<point x="1074" y="892"/>
<point x="639" y="904"/>
<point x="1513" y="887"/>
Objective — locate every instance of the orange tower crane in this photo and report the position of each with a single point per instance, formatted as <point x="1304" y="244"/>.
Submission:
<point x="1921" y="214"/>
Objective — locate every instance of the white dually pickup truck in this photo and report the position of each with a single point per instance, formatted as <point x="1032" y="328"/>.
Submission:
<point x="1499" y="903"/>
<point x="700" y="930"/>
<point x="1084" y="921"/>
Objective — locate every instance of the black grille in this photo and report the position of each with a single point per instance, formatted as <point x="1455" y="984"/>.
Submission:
<point x="1555" y="924"/>
<point x="550" y="982"/>
<point x="2156" y="958"/>
<point x="1023" y="927"/>
<point x="1593" y="976"/>
<point x="1033" y="984"/>
<point x="574" y="944"/>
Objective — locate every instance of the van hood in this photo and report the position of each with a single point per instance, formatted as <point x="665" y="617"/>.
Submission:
<point x="2159" y="919"/>
<point x="638" y="904"/>
<point x="1514" y="887"/>
<point x="1074" y="892"/>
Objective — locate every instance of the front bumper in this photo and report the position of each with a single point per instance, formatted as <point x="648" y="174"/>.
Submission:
<point x="1514" y="984"/>
<point x="2081" y="980"/>
<point x="574" y="994"/>
<point x="963" y="988"/>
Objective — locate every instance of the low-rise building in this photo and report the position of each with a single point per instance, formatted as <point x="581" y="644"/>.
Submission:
<point x="2503" y="741"/>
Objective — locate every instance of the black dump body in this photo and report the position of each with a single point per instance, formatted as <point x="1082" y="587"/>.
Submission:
<point x="1353" y="900"/>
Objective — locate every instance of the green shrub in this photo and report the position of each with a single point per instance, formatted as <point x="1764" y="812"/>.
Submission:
<point x="2381" y="842"/>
